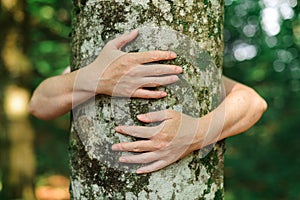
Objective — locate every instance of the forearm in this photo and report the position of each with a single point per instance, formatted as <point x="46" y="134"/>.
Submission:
<point x="240" y="110"/>
<point x="243" y="108"/>
<point x="56" y="96"/>
<point x="113" y="73"/>
<point x="180" y="134"/>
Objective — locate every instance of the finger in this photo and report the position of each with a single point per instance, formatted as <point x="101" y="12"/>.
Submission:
<point x="122" y="40"/>
<point x="153" y="56"/>
<point x="154" y="116"/>
<point x="154" y="70"/>
<point x="158" y="81"/>
<point x="152" y="167"/>
<point x="140" y="158"/>
<point x="138" y="146"/>
<point x="148" y="94"/>
<point x="138" y="131"/>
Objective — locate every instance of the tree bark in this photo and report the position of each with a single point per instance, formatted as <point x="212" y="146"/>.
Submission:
<point x="194" y="30"/>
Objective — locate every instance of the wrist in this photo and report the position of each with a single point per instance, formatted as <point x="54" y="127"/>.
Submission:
<point x="203" y="135"/>
<point x="86" y="80"/>
<point x="83" y="86"/>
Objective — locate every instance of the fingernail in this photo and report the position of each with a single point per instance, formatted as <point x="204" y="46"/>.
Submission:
<point x="178" y="69"/>
<point x="121" y="159"/>
<point x="118" y="129"/>
<point x="163" y="94"/>
<point x="175" y="78"/>
<point x="173" y="54"/>
<point x="139" y="171"/>
<point x="134" y="31"/>
<point x="141" y="117"/>
<point x="114" y="148"/>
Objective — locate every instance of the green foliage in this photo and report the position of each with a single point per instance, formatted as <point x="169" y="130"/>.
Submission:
<point x="263" y="162"/>
<point x="50" y="30"/>
<point x="50" y="27"/>
<point x="260" y="164"/>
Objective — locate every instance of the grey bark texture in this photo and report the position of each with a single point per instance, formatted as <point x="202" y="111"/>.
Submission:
<point x="194" y="30"/>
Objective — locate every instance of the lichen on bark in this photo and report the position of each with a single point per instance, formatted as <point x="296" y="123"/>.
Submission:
<point x="194" y="31"/>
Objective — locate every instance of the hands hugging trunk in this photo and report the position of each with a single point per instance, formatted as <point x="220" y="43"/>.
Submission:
<point x="117" y="73"/>
<point x="114" y="73"/>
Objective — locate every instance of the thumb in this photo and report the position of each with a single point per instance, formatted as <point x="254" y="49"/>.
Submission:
<point x="123" y="39"/>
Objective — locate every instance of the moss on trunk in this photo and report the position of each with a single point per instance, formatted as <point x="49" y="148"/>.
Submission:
<point x="193" y="29"/>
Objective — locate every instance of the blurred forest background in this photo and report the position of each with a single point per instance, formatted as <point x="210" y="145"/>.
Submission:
<point x="262" y="50"/>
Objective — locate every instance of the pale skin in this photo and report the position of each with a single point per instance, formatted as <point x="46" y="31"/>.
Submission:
<point x="114" y="73"/>
<point x="127" y="74"/>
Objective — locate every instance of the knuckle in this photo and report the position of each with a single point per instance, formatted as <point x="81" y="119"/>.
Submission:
<point x="121" y="146"/>
<point x="147" y="95"/>
<point x="121" y="63"/>
<point x="174" y="68"/>
<point x="128" y="59"/>
<point x="158" y="71"/>
<point x="122" y="43"/>
<point x="131" y="59"/>
<point x="159" y="145"/>
<point x="169" y="79"/>
<point x="169" y="112"/>
<point x="134" y="83"/>
<point x="136" y="149"/>
<point x="148" y="115"/>
<point x="131" y="72"/>
<point x="155" y="55"/>
<point x="143" y="160"/>
<point x="128" y="92"/>
<point x="155" y="83"/>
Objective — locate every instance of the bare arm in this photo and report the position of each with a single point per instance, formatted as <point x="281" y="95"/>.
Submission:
<point x="179" y="134"/>
<point x="239" y="111"/>
<point x="113" y="73"/>
<point x="53" y="97"/>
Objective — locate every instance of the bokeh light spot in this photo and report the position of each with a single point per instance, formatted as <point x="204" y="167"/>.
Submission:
<point x="47" y="12"/>
<point x="244" y="51"/>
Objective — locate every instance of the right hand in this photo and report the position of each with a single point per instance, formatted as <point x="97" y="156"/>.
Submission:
<point x="118" y="73"/>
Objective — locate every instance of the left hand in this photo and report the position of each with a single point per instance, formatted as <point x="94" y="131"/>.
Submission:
<point x="164" y="144"/>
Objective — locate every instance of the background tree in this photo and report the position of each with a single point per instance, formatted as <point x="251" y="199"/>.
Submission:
<point x="262" y="50"/>
<point x="260" y="164"/>
<point x="24" y="52"/>
<point x="17" y="159"/>
<point x="95" y="169"/>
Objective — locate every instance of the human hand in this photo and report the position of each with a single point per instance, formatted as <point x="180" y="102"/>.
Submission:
<point x="164" y="144"/>
<point x="118" y="73"/>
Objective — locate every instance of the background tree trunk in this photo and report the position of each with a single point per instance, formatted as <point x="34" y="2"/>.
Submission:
<point x="194" y="30"/>
<point x="17" y="163"/>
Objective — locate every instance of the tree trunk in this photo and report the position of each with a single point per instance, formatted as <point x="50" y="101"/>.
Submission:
<point x="194" y="30"/>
